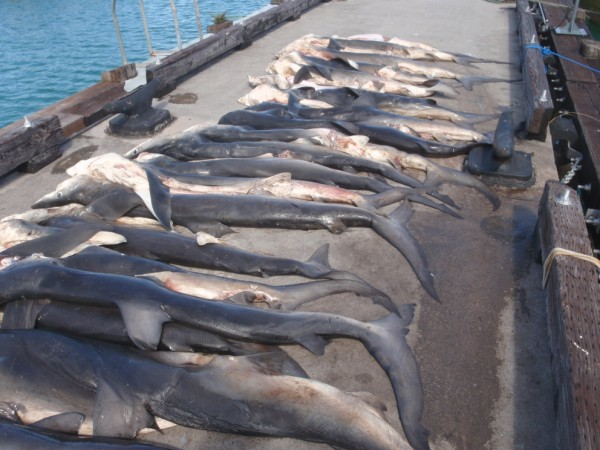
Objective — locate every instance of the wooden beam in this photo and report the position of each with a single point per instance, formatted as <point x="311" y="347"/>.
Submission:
<point x="38" y="142"/>
<point x="539" y="105"/>
<point x="572" y="295"/>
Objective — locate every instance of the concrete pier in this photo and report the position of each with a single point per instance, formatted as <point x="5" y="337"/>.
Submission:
<point x="483" y="351"/>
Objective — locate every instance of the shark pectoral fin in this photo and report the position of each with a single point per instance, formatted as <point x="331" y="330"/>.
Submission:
<point x="266" y="183"/>
<point x="117" y="413"/>
<point x="116" y="204"/>
<point x="269" y="363"/>
<point x="98" y="239"/>
<point x="144" y="323"/>
<point x="67" y="423"/>
<point x="21" y="314"/>
<point x="203" y="238"/>
<point x="334" y="225"/>
<point x="347" y="127"/>
<point x="160" y="200"/>
<point x="313" y="343"/>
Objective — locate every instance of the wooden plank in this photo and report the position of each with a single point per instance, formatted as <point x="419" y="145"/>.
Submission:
<point x="179" y="64"/>
<point x="585" y="98"/>
<point x="122" y="73"/>
<point x="569" y="46"/>
<point x="573" y="318"/>
<point x="21" y="144"/>
<point x="79" y="110"/>
<point x="539" y="106"/>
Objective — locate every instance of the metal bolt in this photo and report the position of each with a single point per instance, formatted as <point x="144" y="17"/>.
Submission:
<point x="585" y="187"/>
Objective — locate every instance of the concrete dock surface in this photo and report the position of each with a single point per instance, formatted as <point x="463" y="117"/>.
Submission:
<point x="483" y="351"/>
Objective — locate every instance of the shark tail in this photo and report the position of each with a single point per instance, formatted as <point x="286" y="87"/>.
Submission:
<point x="386" y="342"/>
<point x="299" y="294"/>
<point x="398" y="194"/>
<point x="395" y="231"/>
<point x="469" y="80"/>
<point x="437" y="175"/>
<point x="439" y="87"/>
<point x="467" y="60"/>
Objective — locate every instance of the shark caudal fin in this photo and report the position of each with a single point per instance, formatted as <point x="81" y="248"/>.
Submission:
<point x="467" y="60"/>
<point x="299" y="294"/>
<point x="437" y="175"/>
<point x="395" y="231"/>
<point x="439" y="87"/>
<point x="398" y="194"/>
<point x="469" y="80"/>
<point x="386" y="342"/>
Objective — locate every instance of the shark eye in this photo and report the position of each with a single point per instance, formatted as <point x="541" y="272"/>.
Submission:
<point x="59" y="194"/>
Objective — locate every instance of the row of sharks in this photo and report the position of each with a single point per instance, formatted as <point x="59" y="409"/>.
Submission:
<point x="115" y="321"/>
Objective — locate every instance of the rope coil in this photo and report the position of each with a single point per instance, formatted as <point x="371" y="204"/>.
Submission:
<point x="564" y="252"/>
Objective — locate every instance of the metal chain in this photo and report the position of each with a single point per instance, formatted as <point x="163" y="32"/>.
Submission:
<point x="575" y="167"/>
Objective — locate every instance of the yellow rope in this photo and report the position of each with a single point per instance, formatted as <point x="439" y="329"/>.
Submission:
<point x="563" y="251"/>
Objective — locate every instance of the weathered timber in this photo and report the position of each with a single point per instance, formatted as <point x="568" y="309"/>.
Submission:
<point x="40" y="142"/>
<point x="179" y="64"/>
<point x="79" y="110"/>
<point x="539" y="105"/>
<point x="122" y="73"/>
<point x="585" y="99"/>
<point x="572" y="294"/>
<point x="590" y="48"/>
<point x="582" y="89"/>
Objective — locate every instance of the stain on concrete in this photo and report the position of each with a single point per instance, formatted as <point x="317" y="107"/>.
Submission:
<point x="187" y="98"/>
<point x="73" y="158"/>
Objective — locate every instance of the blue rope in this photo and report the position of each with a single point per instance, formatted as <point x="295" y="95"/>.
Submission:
<point x="546" y="51"/>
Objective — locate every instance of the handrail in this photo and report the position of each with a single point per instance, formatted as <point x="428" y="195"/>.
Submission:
<point x="151" y="51"/>
<point x="118" y="30"/>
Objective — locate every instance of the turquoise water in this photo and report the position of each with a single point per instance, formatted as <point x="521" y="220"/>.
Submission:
<point x="50" y="49"/>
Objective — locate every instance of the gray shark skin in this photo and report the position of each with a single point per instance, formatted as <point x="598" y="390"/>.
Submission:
<point x="83" y="190"/>
<point x="175" y="248"/>
<point x="401" y="50"/>
<point x="290" y="297"/>
<point x="377" y="106"/>
<point x="234" y="133"/>
<point x="397" y="61"/>
<point x="250" y="148"/>
<point x="14" y="436"/>
<point x="311" y="153"/>
<point x="245" y="394"/>
<point x="262" y="120"/>
<point x="104" y="260"/>
<point x="266" y="167"/>
<point x="257" y="211"/>
<point x="106" y="324"/>
<point x="381" y="134"/>
<point x="376" y="133"/>
<point x="254" y="167"/>
<point x="146" y="306"/>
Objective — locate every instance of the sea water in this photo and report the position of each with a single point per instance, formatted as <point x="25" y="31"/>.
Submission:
<point x="50" y="49"/>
